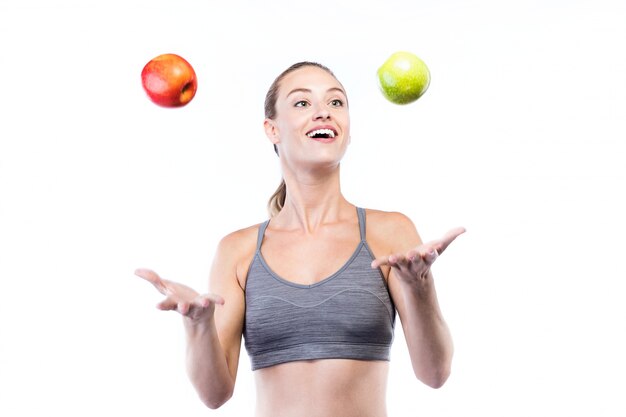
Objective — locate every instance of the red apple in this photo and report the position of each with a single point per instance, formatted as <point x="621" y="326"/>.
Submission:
<point x="169" y="80"/>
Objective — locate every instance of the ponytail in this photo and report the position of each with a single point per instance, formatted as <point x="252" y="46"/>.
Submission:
<point x="277" y="200"/>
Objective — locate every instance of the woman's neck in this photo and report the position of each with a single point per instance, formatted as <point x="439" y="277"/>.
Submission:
<point x="312" y="199"/>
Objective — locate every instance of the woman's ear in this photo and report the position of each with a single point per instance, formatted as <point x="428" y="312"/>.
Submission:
<point x="271" y="131"/>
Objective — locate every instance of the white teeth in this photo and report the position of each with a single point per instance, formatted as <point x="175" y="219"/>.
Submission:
<point x="328" y="132"/>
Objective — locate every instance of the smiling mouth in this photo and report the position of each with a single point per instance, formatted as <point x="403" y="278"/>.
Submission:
<point x="322" y="134"/>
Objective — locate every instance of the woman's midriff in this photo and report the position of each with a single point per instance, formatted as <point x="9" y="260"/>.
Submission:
<point x="322" y="388"/>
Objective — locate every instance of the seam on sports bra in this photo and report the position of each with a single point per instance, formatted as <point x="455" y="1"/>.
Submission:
<point x="326" y="299"/>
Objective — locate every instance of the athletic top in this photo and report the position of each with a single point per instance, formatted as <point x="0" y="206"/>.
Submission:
<point x="349" y="315"/>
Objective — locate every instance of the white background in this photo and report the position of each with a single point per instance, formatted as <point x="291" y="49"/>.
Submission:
<point x="519" y="139"/>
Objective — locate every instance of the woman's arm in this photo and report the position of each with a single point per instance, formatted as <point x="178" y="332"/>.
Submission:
<point x="213" y="344"/>
<point x="412" y="288"/>
<point x="213" y="324"/>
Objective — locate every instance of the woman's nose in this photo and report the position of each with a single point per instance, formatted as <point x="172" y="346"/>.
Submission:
<point x="321" y="112"/>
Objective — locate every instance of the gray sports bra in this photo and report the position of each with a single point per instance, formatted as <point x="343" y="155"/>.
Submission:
<point x="349" y="315"/>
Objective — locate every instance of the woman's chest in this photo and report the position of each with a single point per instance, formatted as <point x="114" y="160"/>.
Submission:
<point x="307" y="261"/>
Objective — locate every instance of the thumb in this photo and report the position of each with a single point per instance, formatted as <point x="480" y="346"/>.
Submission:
<point x="217" y="299"/>
<point x="167" y="304"/>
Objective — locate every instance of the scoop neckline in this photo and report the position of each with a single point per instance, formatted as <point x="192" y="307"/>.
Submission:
<point x="315" y="284"/>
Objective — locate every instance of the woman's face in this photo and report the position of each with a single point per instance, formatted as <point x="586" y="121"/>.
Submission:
<point x="312" y="123"/>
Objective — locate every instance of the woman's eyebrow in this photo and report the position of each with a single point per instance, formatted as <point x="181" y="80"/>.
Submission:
<point x="307" y="90"/>
<point x="299" y="90"/>
<point x="337" y="89"/>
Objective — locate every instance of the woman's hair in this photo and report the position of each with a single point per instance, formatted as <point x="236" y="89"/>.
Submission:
<point x="277" y="200"/>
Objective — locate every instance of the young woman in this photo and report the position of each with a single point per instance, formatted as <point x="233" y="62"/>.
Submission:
<point x="315" y="289"/>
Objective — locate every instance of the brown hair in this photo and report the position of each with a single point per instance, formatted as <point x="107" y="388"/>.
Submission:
<point x="277" y="200"/>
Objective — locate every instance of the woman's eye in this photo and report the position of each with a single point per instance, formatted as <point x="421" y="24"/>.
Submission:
<point x="301" y="103"/>
<point x="336" y="103"/>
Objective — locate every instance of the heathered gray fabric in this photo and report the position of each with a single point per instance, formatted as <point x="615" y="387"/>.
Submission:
<point x="349" y="315"/>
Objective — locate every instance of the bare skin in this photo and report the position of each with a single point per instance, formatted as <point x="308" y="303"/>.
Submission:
<point x="311" y="238"/>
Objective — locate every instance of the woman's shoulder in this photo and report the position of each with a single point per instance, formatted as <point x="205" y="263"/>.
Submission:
<point x="389" y="227"/>
<point x="387" y="220"/>
<point x="241" y="240"/>
<point x="236" y="250"/>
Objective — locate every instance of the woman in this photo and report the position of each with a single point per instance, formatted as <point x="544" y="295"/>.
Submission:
<point x="316" y="313"/>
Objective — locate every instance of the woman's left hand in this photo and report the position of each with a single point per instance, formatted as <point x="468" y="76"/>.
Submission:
<point x="416" y="263"/>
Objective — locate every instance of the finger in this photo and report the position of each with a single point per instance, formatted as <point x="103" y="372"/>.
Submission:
<point x="448" y="238"/>
<point x="423" y="253"/>
<point x="453" y="234"/>
<point x="399" y="261"/>
<point x="183" y="307"/>
<point x="382" y="261"/>
<point x="431" y="255"/>
<point x="395" y="260"/>
<point x="203" y="301"/>
<point x="153" y="278"/>
<point x="414" y="255"/>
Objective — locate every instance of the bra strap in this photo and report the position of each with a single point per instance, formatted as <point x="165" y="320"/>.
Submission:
<point x="261" y="234"/>
<point x="361" y="214"/>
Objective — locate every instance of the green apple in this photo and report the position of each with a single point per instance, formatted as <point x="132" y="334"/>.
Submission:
<point x="403" y="78"/>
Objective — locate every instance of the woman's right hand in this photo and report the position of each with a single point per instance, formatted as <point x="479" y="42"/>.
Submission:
<point x="181" y="298"/>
